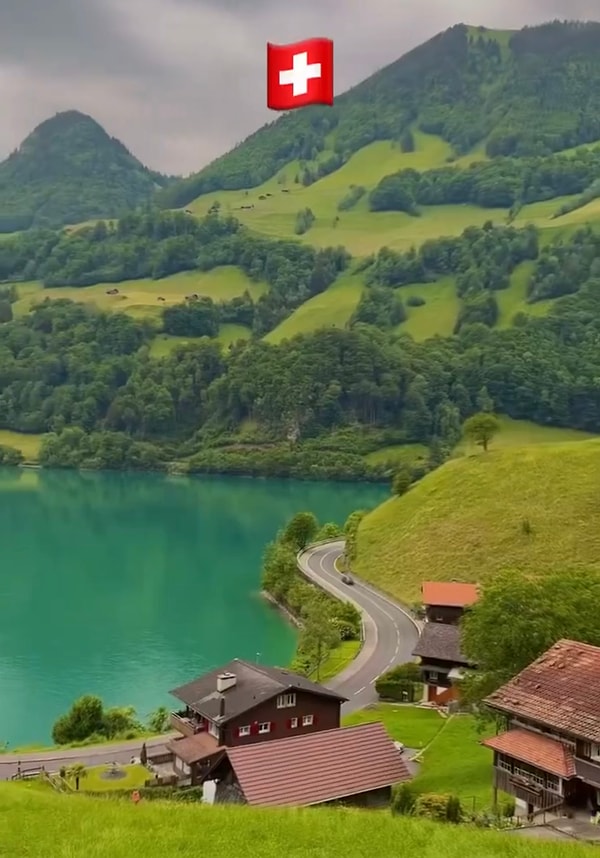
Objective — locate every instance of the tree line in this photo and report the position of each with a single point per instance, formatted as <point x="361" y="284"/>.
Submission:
<point x="507" y="183"/>
<point x="155" y="244"/>
<point x="316" y="404"/>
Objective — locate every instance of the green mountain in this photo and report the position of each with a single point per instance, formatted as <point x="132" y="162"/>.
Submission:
<point x="70" y="170"/>
<point x="530" y="92"/>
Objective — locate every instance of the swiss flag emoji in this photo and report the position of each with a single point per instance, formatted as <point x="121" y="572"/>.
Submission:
<point x="299" y="74"/>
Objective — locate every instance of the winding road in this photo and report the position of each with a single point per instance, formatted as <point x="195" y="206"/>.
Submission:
<point x="389" y="636"/>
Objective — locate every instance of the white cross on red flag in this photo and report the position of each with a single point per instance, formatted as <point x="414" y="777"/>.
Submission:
<point x="299" y="74"/>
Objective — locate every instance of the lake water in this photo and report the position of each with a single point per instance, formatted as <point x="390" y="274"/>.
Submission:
<point x="127" y="585"/>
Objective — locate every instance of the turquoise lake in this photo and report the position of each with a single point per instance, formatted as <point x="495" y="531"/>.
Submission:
<point x="127" y="585"/>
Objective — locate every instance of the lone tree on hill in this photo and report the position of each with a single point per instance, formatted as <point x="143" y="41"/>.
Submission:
<point x="481" y="428"/>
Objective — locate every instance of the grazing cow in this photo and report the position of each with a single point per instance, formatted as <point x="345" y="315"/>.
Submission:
<point x="285" y="191"/>
<point x="112" y="291"/>
<point x="268" y="195"/>
<point x="160" y="298"/>
<point x="188" y="211"/>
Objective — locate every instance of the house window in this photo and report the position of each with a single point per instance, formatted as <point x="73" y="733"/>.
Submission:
<point x="595" y="752"/>
<point x="244" y="731"/>
<point x="213" y="730"/>
<point x="307" y="720"/>
<point x="529" y="775"/>
<point x="285" y="701"/>
<point x="265" y="727"/>
<point x="293" y="723"/>
<point x="552" y="783"/>
<point x="433" y="676"/>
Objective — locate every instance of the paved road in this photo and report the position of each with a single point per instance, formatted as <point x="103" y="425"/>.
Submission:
<point x="390" y="634"/>
<point x="389" y="638"/>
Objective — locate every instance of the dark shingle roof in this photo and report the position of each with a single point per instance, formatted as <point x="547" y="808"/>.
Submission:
<point x="191" y="749"/>
<point x="560" y="689"/>
<point x="254" y="684"/>
<point x="440" y="641"/>
<point x="318" y="767"/>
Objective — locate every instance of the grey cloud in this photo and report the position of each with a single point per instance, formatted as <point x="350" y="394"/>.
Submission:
<point x="181" y="81"/>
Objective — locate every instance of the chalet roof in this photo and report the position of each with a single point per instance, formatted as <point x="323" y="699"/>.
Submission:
<point x="194" y="748"/>
<point x="440" y="641"/>
<point x="537" y="750"/>
<point x="560" y="689"/>
<point x="254" y="684"/>
<point x="449" y="594"/>
<point x="318" y="767"/>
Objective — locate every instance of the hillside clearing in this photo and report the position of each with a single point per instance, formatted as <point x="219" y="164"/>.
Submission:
<point x="329" y="309"/>
<point x="29" y="445"/>
<point x="439" y="313"/>
<point x="164" y="344"/>
<point x="140" y="297"/>
<point x="38" y="823"/>
<point x="456" y="522"/>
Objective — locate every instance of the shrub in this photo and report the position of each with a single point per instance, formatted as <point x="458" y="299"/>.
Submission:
<point x="454" y="810"/>
<point x="415" y="301"/>
<point x="171" y="793"/>
<point x="402" y="480"/>
<point x="402" y="682"/>
<point x="404" y="799"/>
<point x="509" y="807"/>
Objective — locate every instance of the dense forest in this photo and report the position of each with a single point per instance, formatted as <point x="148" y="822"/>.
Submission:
<point x="87" y="377"/>
<point x="154" y="244"/>
<point x="68" y="170"/>
<point x="539" y="95"/>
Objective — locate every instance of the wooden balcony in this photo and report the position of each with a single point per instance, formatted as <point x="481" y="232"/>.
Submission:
<point x="183" y="724"/>
<point x="528" y="791"/>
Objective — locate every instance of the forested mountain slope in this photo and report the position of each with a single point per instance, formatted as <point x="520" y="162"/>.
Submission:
<point x="525" y="93"/>
<point x="69" y="170"/>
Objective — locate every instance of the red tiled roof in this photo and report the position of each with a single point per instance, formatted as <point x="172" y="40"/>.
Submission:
<point x="535" y="749"/>
<point x="318" y="767"/>
<point x="194" y="748"/>
<point x="560" y="690"/>
<point x="449" y="594"/>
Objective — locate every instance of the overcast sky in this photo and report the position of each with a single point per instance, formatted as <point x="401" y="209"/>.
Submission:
<point x="182" y="81"/>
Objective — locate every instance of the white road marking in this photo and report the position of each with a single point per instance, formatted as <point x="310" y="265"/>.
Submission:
<point x="360" y="690"/>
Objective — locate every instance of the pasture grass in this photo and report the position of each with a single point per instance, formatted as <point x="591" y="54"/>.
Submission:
<point x="456" y="521"/>
<point x="37" y="823"/>
<point x="164" y="344"/>
<point x="140" y="297"/>
<point x="398" y="454"/>
<point x="330" y="309"/>
<point x="28" y="444"/>
<point x="437" y="316"/>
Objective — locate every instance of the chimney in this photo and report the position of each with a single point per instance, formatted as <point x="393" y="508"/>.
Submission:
<point x="225" y="681"/>
<point x="221" y="706"/>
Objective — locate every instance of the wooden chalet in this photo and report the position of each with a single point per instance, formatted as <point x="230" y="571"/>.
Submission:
<point x="353" y="765"/>
<point x="441" y="660"/>
<point x="548" y="756"/>
<point x="245" y="704"/>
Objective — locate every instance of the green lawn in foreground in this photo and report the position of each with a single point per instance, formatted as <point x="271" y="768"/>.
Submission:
<point x="453" y="760"/>
<point x="47" y="825"/>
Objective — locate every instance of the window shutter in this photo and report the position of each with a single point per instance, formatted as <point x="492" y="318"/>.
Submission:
<point x="254" y="728"/>
<point x="314" y="721"/>
<point x="289" y="723"/>
<point x="272" y="726"/>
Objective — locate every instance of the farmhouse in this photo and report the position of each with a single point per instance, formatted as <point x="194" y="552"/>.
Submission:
<point x="355" y="765"/>
<point x="548" y="756"/>
<point x="441" y="661"/>
<point x="245" y="704"/>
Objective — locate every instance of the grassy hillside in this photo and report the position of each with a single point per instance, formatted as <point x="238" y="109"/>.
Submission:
<point x="140" y="297"/>
<point x="457" y="522"/>
<point x="36" y="823"/>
